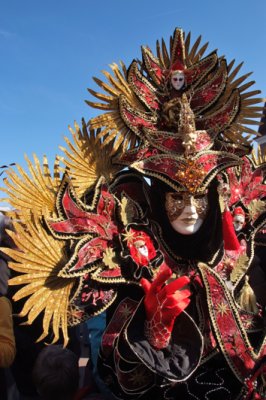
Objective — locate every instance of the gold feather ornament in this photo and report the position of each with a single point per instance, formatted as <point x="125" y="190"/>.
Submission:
<point x="87" y="158"/>
<point x="258" y="156"/>
<point x="110" y="122"/>
<point x="38" y="258"/>
<point x="34" y="191"/>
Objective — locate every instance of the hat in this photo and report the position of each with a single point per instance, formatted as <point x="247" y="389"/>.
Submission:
<point x="183" y="139"/>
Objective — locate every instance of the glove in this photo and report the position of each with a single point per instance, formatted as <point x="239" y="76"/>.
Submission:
<point x="163" y="303"/>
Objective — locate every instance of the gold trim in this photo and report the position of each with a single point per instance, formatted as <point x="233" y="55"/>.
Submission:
<point x="255" y="355"/>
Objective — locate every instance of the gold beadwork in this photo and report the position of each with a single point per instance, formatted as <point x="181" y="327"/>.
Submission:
<point x="190" y="175"/>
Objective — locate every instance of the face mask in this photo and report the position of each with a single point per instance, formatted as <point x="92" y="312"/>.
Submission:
<point x="238" y="222"/>
<point x="178" y="80"/>
<point x="185" y="212"/>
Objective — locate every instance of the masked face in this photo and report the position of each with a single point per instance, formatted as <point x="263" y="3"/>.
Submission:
<point x="178" y="80"/>
<point x="185" y="212"/>
<point x="239" y="221"/>
<point x="143" y="250"/>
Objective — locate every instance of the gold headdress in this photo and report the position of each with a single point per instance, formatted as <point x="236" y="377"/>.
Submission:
<point x="154" y="123"/>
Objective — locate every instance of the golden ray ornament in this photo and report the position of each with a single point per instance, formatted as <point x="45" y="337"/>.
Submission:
<point x="258" y="156"/>
<point x="111" y="123"/>
<point x="38" y="258"/>
<point x="87" y="158"/>
<point x="34" y="191"/>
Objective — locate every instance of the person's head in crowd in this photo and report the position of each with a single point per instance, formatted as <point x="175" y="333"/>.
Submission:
<point x="56" y="373"/>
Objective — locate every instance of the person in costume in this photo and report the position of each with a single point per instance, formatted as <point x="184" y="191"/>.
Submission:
<point x="246" y="185"/>
<point x="239" y="218"/>
<point x="184" y="316"/>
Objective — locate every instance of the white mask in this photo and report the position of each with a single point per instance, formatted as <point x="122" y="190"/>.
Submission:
<point x="238" y="222"/>
<point x="188" y="222"/>
<point x="186" y="213"/>
<point x="143" y="250"/>
<point x="178" y="80"/>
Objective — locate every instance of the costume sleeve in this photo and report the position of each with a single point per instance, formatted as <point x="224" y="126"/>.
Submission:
<point x="174" y="362"/>
<point x="132" y="367"/>
<point x="7" y="339"/>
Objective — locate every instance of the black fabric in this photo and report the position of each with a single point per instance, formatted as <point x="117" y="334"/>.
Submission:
<point x="257" y="276"/>
<point x="201" y="245"/>
<point x="213" y="381"/>
<point x="3" y="389"/>
<point x="178" y="360"/>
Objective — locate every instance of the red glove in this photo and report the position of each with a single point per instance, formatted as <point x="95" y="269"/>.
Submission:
<point x="163" y="303"/>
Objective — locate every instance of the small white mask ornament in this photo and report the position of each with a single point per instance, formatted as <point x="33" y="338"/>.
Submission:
<point x="239" y="221"/>
<point x="178" y="80"/>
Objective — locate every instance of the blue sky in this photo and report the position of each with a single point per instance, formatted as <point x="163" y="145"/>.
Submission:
<point x="50" y="50"/>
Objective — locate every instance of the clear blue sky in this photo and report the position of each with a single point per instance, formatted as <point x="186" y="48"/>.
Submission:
<point x="51" y="49"/>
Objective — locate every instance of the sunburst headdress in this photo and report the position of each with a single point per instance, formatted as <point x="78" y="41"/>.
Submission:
<point x="169" y="133"/>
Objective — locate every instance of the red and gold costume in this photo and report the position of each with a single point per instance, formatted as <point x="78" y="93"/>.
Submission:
<point x="183" y="317"/>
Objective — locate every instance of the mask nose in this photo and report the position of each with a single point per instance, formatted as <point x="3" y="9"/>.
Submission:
<point x="189" y="201"/>
<point x="190" y="205"/>
<point x="190" y="208"/>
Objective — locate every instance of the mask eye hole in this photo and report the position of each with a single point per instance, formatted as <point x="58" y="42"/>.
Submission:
<point x="178" y="79"/>
<point x="177" y="197"/>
